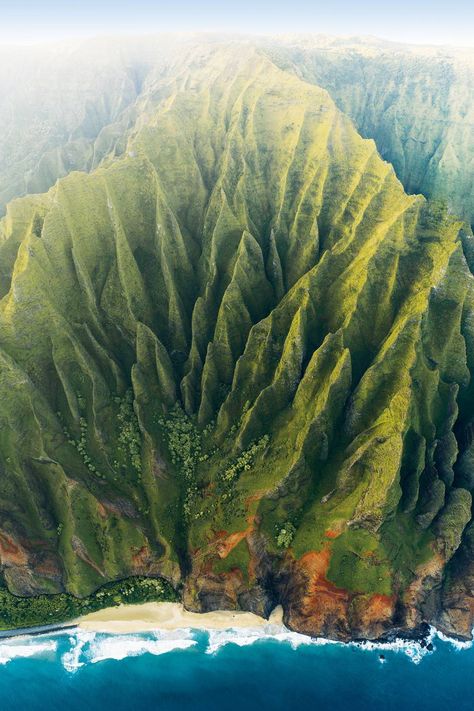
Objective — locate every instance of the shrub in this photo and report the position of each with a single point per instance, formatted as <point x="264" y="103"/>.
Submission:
<point x="286" y="535"/>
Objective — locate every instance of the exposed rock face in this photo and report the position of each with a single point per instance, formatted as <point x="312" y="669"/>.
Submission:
<point x="455" y="609"/>
<point x="240" y="356"/>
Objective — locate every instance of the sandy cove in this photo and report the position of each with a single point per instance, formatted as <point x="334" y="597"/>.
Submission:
<point x="169" y="616"/>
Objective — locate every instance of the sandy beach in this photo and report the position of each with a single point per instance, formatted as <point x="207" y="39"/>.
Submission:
<point x="169" y="616"/>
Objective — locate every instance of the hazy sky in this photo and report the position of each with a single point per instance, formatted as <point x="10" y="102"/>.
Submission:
<point x="425" y="21"/>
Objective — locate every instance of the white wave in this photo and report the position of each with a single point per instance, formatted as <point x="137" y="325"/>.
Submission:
<point x="456" y="643"/>
<point x="243" y="636"/>
<point x="72" y="658"/>
<point x="28" y="647"/>
<point x="93" y="647"/>
<point x="413" y="649"/>
<point x="120" y="647"/>
<point x="246" y="636"/>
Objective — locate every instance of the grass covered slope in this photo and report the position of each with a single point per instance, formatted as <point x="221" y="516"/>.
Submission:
<point x="73" y="105"/>
<point x="238" y="357"/>
<point x="417" y="103"/>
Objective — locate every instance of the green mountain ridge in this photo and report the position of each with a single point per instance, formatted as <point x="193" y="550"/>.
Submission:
<point x="239" y="356"/>
<point x="73" y="106"/>
<point x="417" y="103"/>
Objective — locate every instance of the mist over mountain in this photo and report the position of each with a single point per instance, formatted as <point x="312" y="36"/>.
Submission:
<point x="68" y="106"/>
<point x="417" y="103"/>
<point x="236" y="339"/>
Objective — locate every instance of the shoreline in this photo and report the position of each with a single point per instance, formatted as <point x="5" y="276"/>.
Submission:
<point x="129" y="619"/>
<point x="169" y="616"/>
<point x="147" y="617"/>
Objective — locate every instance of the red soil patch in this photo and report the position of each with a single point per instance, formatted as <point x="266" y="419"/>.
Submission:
<point x="255" y="497"/>
<point x="10" y="552"/>
<point x="221" y="544"/>
<point x="380" y="607"/>
<point x="331" y="534"/>
<point x="322" y="600"/>
<point x="225" y="547"/>
<point x="321" y="606"/>
<point x="221" y="534"/>
<point x="316" y="566"/>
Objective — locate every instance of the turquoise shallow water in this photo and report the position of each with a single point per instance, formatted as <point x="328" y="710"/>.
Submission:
<point x="244" y="669"/>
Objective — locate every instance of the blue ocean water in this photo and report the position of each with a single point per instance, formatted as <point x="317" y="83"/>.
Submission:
<point x="240" y="669"/>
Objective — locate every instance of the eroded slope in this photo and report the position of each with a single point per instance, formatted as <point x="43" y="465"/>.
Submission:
<point x="417" y="103"/>
<point x="239" y="357"/>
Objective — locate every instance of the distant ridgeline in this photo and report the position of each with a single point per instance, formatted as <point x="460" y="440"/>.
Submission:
<point x="238" y="356"/>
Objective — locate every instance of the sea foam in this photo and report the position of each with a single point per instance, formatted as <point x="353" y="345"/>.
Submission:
<point x="279" y="633"/>
<point x="72" y="659"/>
<point x="121" y="646"/>
<point x="411" y="648"/>
<point x="456" y="643"/>
<point x="87" y="647"/>
<point x="27" y="647"/>
<point x="243" y="636"/>
<point x="93" y="647"/>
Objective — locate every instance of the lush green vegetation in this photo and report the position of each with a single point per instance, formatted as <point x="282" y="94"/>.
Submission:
<point x="80" y="444"/>
<point x="184" y="443"/>
<point x="18" y="612"/>
<point x="285" y="535"/>
<point x="129" y="439"/>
